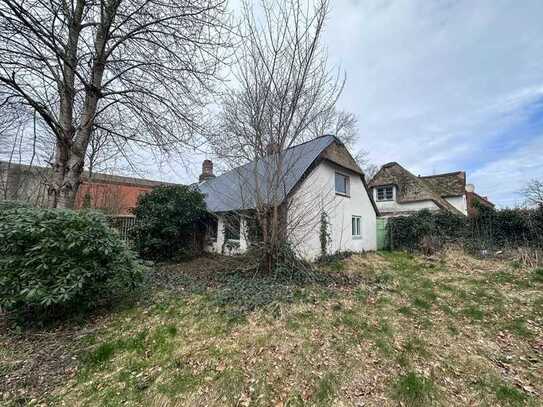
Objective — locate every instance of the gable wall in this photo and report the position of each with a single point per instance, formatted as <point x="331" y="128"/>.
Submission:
<point x="459" y="202"/>
<point x="317" y="193"/>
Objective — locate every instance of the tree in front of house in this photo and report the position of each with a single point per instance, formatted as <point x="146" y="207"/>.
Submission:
<point x="285" y="85"/>
<point x="138" y="71"/>
<point x="344" y="125"/>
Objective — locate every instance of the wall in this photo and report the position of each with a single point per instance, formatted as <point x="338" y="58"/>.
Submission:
<point x="23" y="183"/>
<point x="116" y="199"/>
<point x="459" y="202"/>
<point x="219" y="246"/>
<point x="317" y="193"/>
<point x="392" y="207"/>
<point x="29" y="184"/>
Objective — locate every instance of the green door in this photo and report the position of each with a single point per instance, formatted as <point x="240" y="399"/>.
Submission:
<point x="383" y="242"/>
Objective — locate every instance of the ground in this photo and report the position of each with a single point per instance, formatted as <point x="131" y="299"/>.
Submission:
<point x="376" y="329"/>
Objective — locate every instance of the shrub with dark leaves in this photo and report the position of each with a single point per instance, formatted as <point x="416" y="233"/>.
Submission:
<point x="407" y="232"/>
<point x="54" y="261"/>
<point x="488" y="229"/>
<point x="7" y="205"/>
<point x="168" y="219"/>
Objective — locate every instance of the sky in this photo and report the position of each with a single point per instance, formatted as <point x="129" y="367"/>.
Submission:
<point x="437" y="86"/>
<point x="441" y="86"/>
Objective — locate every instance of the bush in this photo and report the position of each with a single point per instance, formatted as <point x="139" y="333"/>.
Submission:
<point x="169" y="219"/>
<point x="56" y="260"/>
<point x="506" y="228"/>
<point x="409" y="232"/>
<point x="7" y="205"/>
<point x="489" y="229"/>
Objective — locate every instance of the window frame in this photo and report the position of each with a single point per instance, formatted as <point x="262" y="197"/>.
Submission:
<point x="347" y="179"/>
<point x="384" y="189"/>
<point x="213" y="229"/>
<point x="356" y="227"/>
<point x="230" y="228"/>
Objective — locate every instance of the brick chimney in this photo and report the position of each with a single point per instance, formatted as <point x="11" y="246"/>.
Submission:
<point x="207" y="171"/>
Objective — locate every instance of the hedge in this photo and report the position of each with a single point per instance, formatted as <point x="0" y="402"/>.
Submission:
<point x="489" y="229"/>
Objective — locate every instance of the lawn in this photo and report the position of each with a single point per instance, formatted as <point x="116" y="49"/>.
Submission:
<point x="376" y="329"/>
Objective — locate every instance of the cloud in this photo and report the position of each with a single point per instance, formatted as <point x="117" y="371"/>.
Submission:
<point x="437" y="85"/>
<point x="508" y="175"/>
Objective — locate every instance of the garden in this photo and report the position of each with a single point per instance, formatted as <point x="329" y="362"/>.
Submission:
<point x="86" y="321"/>
<point x="371" y="329"/>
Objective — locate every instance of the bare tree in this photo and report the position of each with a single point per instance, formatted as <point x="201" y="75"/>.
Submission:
<point x="344" y="125"/>
<point x="367" y="166"/>
<point x="370" y="170"/>
<point x="284" y="87"/>
<point x="104" y="152"/>
<point x="21" y="141"/>
<point x="148" y="64"/>
<point x="533" y="193"/>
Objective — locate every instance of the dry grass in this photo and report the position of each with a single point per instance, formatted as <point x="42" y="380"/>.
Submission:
<point x="444" y="330"/>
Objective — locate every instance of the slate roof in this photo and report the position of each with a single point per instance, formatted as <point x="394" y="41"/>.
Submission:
<point x="411" y="188"/>
<point x="237" y="188"/>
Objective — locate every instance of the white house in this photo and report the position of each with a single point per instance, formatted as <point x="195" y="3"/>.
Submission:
<point x="316" y="177"/>
<point x="397" y="191"/>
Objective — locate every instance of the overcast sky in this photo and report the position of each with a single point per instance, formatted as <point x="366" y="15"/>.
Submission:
<point x="441" y="86"/>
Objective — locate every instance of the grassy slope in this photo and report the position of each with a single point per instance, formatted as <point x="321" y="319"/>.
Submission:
<point x="451" y="331"/>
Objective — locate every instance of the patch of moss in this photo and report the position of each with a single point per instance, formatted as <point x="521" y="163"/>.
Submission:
<point x="326" y="389"/>
<point x="510" y="395"/>
<point x="414" y="390"/>
<point x="537" y="275"/>
<point x="474" y="313"/>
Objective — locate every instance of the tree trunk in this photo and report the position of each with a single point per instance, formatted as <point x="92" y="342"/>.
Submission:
<point x="66" y="177"/>
<point x="70" y="159"/>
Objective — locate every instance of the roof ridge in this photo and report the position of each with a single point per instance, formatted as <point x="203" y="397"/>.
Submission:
<point x="438" y="199"/>
<point x="313" y="139"/>
<point x="444" y="174"/>
<point x="281" y="152"/>
<point x="235" y="188"/>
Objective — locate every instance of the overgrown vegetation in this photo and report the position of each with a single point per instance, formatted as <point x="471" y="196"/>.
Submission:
<point x="54" y="262"/>
<point x="375" y="329"/>
<point x="490" y="229"/>
<point x="7" y="205"/>
<point x="170" y="221"/>
<point x="324" y="235"/>
<point x="414" y="390"/>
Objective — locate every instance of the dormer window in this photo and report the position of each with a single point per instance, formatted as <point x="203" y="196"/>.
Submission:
<point x="342" y="184"/>
<point x="385" y="193"/>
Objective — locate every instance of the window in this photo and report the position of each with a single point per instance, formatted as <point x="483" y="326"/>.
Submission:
<point x="385" y="193"/>
<point x="232" y="227"/>
<point x="254" y="231"/>
<point x="212" y="227"/>
<point x="342" y="184"/>
<point x="355" y="227"/>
